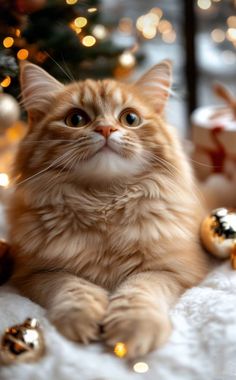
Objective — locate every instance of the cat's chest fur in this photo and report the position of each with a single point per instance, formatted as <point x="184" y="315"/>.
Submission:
<point x="101" y="238"/>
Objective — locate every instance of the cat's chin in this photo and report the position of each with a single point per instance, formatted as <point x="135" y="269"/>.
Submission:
<point x="107" y="165"/>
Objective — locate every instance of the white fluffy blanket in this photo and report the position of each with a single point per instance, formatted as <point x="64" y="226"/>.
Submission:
<point x="202" y="346"/>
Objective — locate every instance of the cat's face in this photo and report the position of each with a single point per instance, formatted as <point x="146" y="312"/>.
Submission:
<point x="94" y="130"/>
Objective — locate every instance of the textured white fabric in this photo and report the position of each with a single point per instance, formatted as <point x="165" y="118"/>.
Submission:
<point x="202" y="346"/>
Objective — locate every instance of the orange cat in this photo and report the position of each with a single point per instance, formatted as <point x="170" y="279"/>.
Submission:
<point x="104" y="217"/>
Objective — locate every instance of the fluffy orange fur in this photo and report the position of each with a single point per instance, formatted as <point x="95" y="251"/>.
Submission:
<point x="104" y="225"/>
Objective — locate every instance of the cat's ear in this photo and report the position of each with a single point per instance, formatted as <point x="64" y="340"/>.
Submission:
<point x="38" y="90"/>
<point x="156" y="84"/>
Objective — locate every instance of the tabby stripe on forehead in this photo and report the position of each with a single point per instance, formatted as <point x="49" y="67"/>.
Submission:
<point x="88" y="97"/>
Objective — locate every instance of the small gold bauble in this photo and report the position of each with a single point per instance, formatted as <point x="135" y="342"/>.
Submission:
<point x="218" y="233"/>
<point x="22" y="343"/>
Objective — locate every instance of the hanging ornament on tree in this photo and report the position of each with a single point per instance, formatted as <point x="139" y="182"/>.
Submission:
<point x="218" y="234"/>
<point x="22" y="343"/>
<point x="29" y="6"/>
<point x="9" y="111"/>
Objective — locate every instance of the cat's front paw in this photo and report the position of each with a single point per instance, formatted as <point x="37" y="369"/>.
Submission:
<point x="141" y="328"/>
<point x="79" y="313"/>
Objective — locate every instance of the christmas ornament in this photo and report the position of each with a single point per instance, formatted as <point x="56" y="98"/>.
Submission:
<point x="218" y="234"/>
<point x="120" y="349"/>
<point x="6" y="262"/>
<point x="9" y="111"/>
<point x="22" y="343"/>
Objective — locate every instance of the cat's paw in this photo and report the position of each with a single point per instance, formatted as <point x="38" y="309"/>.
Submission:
<point x="79" y="313"/>
<point x="142" y="329"/>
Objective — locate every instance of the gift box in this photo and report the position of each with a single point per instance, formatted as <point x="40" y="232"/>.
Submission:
<point x="214" y="139"/>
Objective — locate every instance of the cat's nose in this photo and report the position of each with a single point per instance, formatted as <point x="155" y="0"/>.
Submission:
<point x="105" y="130"/>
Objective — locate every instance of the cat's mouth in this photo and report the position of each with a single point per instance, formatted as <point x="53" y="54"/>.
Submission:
<point x="106" y="148"/>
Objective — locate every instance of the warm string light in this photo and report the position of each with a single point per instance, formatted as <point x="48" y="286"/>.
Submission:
<point x="6" y="81"/>
<point x="231" y="34"/>
<point x="80" y="22"/>
<point x="140" y="367"/>
<point x="22" y="54"/>
<point x="218" y="35"/>
<point x="4" y="180"/>
<point x="17" y="32"/>
<point x="71" y="2"/>
<point x="88" y="41"/>
<point x="127" y="59"/>
<point x="8" y="42"/>
<point x="99" y="31"/>
<point x="151" y="23"/>
<point x="92" y="10"/>
<point x="125" y="25"/>
<point x="204" y="4"/>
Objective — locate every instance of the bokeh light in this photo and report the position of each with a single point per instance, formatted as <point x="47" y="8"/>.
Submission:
<point x="8" y="42"/>
<point x="4" y="180"/>
<point x="120" y="349"/>
<point x="204" y="4"/>
<point x="99" y="31"/>
<point x="71" y="2"/>
<point x="22" y="54"/>
<point x="6" y="81"/>
<point x="140" y="367"/>
<point x="92" y="10"/>
<point x="127" y="59"/>
<point x="80" y="22"/>
<point x="89" y="41"/>
<point x="218" y="35"/>
<point x="231" y="21"/>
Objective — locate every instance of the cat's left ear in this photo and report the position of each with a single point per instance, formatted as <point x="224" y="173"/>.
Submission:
<point x="38" y="90"/>
<point x="156" y="84"/>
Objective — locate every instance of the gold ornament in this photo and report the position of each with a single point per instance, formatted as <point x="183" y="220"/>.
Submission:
<point x="22" y="343"/>
<point x="9" y="111"/>
<point x="120" y="349"/>
<point x="218" y="234"/>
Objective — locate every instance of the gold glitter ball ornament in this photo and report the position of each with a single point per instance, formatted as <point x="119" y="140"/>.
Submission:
<point x="218" y="234"/>
<point x="120" y="349"/>
<point x="22" y="343"/>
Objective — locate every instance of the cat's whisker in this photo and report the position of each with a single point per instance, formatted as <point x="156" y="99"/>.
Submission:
<point x="68" y="70"/>
<point x="59" y="66"/>
<point x="197" y="195"/>
<point x="154" y="158"/>
<point x="201" y="163"/>
<point x="45" y="141"/>
<point x="53" y="164"/>
<point x="75" y="141"/>
<point x="74" y="160"/>
<point x="67" y="160"/>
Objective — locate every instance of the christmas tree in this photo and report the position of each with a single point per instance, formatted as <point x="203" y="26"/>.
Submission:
<point x="66" y="37"/>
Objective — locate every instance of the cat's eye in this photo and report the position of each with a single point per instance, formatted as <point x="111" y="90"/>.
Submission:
<point x="130" y="118"/>
<point x="77" y="118"/>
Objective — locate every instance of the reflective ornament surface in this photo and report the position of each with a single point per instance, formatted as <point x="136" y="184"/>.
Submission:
<point x="218" y="233"/>
<point x="22" y="343"/>
<point x="9" y="111"/>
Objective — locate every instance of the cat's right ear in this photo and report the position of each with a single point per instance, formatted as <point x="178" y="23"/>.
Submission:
<point x="38" y="90"/>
